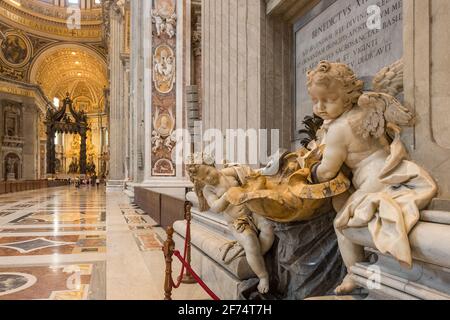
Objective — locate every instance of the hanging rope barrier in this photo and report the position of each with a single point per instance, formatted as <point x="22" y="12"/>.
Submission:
<point x="196" y="277"/>
<point x="169" y="251"/>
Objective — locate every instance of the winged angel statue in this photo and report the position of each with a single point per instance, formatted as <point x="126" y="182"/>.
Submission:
<point x="361" y="132"/>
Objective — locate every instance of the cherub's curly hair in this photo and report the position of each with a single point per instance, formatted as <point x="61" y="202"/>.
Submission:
<point x="193" y="170"/>
<point x="327" y="71"/>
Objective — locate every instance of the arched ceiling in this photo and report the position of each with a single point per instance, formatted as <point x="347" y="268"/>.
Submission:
<point x="45" y="19"/>
<point x="76" y="70"/>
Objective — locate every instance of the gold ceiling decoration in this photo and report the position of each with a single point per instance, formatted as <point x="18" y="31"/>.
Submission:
<point x="49" y="10"/>
<point x="50" y="21"/>
<point x="24" y="91"/>
<point x="76" y="70"/>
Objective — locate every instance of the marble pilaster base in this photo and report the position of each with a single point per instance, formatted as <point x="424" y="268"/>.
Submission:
<point x="114" y="185"/>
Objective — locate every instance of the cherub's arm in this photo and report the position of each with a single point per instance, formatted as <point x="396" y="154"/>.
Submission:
<point x="229" y="172"/>
<point x="216" y="204"/>
<point x="334" y="155"/>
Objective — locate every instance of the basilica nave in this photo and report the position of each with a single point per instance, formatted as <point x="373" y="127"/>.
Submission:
<point x="247" y="150"/>
<point x="73" y="243"/>
<point x="70" y="240"/>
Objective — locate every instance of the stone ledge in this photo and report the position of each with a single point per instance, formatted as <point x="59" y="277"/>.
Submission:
<point x="440" y="204"/>
<point x="423" y="281"/>
<point x="212" y="221"/>
<point x="435" y="216"/>
<point x="429" y="242"/>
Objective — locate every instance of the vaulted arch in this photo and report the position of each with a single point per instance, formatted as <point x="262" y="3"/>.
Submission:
<point x="71" y="68"/>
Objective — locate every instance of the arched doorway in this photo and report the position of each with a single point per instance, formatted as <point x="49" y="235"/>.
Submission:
<point x="81" y="71"/>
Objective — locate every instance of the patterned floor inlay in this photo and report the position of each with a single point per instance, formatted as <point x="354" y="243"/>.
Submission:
<point x="70" y="244"/>
<point x="132" y="212"/>
<point x="139" y="227"/>
<point x="137" y="219"/>
<point x="53" y="244"/>
<point x="6" y="213"/>
<point x="23" y="206"/>
<point x="147" y="241"/>
<point x="64" y="282"/>
<point x="43" y="217"/>
<point x="72" y="208"/>
<point x="12" y="282"/>
<point x="51" y="229"/>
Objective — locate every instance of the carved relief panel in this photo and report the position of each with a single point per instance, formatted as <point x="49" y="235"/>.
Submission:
<point x="163" y="87"/>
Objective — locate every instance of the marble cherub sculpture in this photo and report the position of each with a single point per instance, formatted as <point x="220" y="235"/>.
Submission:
<point x="252" y="232"/>
<point x="362" y="131"/>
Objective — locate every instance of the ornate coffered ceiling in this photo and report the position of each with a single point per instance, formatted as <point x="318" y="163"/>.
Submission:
<point x="77" y="70"/>
<point x="48" y="10"/>
<point x="51" y="21"/>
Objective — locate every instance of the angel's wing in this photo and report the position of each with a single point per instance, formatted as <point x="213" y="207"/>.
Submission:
<point x="389" y="79"/>
<point x="376" y="110"/>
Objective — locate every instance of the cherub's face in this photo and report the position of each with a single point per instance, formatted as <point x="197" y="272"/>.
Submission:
<point x="328" y="100"/>
<point x="209" y="175"/>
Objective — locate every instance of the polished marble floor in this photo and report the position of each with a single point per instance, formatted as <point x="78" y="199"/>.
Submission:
<point x="79" y="244"/>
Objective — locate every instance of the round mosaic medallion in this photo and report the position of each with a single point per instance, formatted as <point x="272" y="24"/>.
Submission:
<point x="11" y="282"/>
<point x="15" y="49"/>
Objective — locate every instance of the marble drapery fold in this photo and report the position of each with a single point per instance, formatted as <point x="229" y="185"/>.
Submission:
<point x="393" y="212"/>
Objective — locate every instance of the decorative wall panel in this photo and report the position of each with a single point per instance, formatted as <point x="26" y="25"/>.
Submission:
<point x="163" y="87"/>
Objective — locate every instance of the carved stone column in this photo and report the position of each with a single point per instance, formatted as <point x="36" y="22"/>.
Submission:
<point x="116" y="114"/>
<point x="139" y="35"/>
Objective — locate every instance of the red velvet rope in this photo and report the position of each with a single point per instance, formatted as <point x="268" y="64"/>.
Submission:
<point x="187" y="240"/>
<point x="196" y="277"/>
<point x="186" y="266"/>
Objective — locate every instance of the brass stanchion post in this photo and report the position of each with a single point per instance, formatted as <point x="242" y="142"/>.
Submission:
<point x="169" y="247"/>
<point x="187" y="277"/>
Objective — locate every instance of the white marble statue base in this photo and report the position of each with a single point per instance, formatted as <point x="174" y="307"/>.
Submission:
<point x="429" y="279"/>
<point x="387" y="280"/>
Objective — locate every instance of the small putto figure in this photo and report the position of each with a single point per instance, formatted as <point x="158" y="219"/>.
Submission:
<point x="159" y="22"/>
<point x="171" y="25"/>
<point x="362" y="131"/>
<point x="164" y="24"/>
<point x="254" y="233"/>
